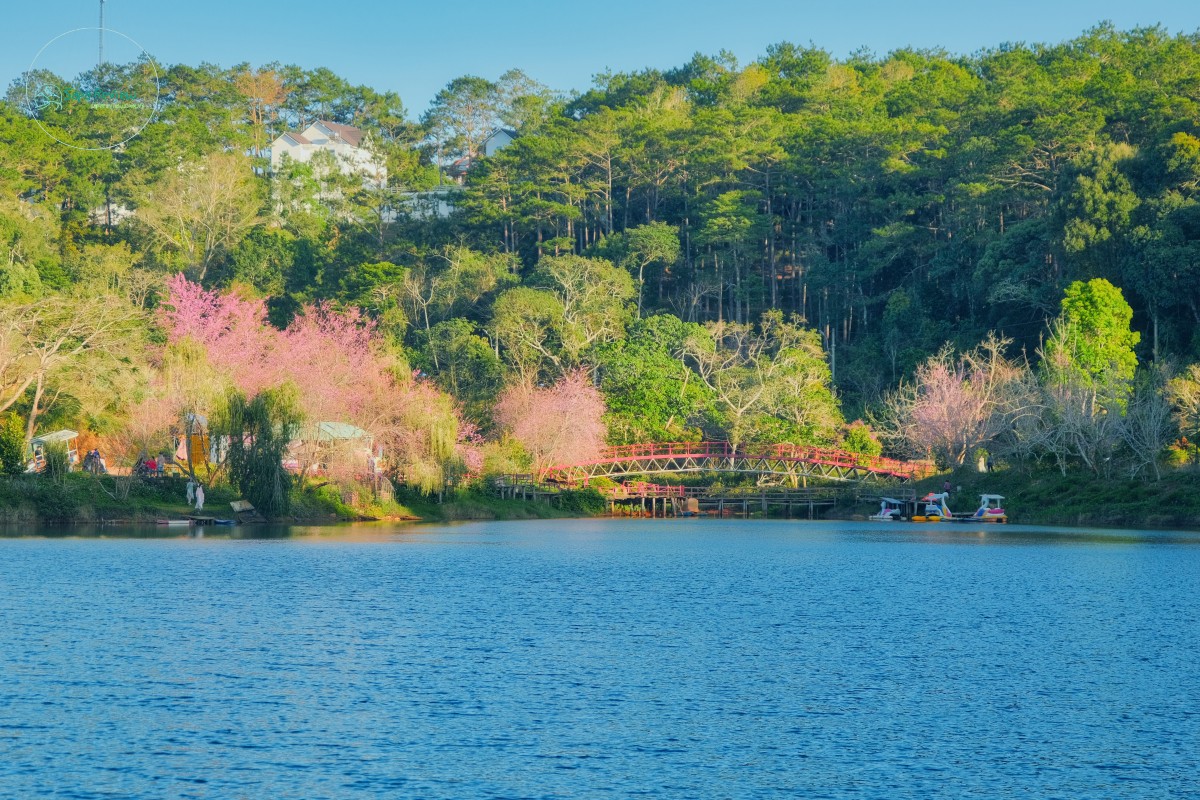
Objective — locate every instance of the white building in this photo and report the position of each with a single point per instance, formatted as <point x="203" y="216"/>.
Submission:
<point x="345" y="142"/>
<point x="498" y="140"/>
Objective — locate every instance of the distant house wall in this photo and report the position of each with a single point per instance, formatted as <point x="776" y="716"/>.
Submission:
<point x="434" y="204"/>
<point x="285" y="145"/>
<point x="500" y="139"/>
<point x="343" y="141"/>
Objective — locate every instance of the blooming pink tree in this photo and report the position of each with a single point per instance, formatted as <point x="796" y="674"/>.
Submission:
<point x="469" y="448"/>
<point x="561" y="424"/>
<point x="343" y="372"/>
<point x="958" y="403"/>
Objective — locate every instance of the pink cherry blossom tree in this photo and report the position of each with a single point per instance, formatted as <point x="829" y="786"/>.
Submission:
<point x="560" y="424"/>
<point x="960" y="402"/>
<point x="342" y="369"/>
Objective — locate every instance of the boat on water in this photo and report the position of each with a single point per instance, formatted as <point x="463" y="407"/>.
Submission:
<point x="890" y="510"/>
<point x="990" y="509"/>
<point x="935" y="508"/>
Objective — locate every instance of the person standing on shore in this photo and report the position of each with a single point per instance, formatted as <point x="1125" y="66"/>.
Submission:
<point x="199" y="497"/>
<point x="191" y="491"/>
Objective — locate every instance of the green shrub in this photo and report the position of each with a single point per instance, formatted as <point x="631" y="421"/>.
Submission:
<point x="325" y="500"/>
<point x="581" y="501"/>
<point x="859" y="439"/>
<point x="12" y="445"/>
<point x="58" y="464"/>
<point x="1177" y="457"/>
<point x="505" y="457"/>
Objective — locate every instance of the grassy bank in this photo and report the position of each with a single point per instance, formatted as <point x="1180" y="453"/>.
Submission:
<point x="80" y="498"/>
<point x="86" y="498"/>
<point x="477" y="504"/>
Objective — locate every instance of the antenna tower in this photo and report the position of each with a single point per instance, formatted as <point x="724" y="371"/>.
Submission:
<point x="100" y="57"/>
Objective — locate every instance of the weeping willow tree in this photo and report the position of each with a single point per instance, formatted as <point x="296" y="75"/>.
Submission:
<point x="260" y="430"/>
<point x="425" y="442"/>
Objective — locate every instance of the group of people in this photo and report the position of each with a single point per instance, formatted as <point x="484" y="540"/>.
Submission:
<point x="150" y="467"/>
<point x="146" y="467"/>
<point x="195" y="494"/>
<point x="93" y="462"/>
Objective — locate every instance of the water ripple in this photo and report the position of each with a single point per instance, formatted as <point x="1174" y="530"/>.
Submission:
<point x="593" y="659"/>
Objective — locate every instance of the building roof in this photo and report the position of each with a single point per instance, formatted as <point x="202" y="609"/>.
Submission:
<point x="62" y="436"/>
<point x="347" y="133"/>
<point x="333" y="432"/>
<point x="512" y="134"/>
<point x="295" y="138"/>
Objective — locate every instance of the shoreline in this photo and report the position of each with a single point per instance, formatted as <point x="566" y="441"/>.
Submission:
<point x="1038" y="497"/>
<point x="7" y="525"/>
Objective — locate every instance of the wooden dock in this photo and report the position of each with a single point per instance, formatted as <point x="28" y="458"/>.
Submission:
<point x="641" y="499"/>
<point x="653" y="501"/>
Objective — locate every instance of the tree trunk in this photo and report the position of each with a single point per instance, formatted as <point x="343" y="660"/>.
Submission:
<point x="641" y="286"/>
<point x="31" y="426"/>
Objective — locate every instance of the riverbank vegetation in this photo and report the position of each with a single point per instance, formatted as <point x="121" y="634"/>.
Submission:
<point x="985" y="258"/>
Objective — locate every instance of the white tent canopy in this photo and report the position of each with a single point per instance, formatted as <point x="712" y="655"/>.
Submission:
<point x="56" y="437"/>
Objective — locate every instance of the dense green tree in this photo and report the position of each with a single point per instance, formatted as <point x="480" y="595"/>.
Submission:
<point x="528" y="325"/>
<point x="521" y="102"/>
<point x="26" y="251"/>
<point x="594" y="296"/>
<point x="464" y="364"/>
<point x="202" y="210"/>
<point x="650" y="393"/>
<point x="262" y="260"/>
<point x="462" y="115"/>
<point x="1092" y="342"/>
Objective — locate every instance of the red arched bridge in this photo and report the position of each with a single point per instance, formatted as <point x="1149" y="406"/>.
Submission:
<point x="785" y="462"/>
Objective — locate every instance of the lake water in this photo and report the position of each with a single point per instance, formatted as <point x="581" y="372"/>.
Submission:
<point x="603" y="659"/>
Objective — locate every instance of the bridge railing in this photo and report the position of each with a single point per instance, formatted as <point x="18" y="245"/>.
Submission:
<point x="665" y="450"/>
<point x="842" y="458"/>
<point x="785" y="451"/>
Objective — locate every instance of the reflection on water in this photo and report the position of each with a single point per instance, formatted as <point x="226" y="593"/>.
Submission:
<point x="154" y="531"/>
<point x="592" y="658"/>
<point x="895" y="532"/>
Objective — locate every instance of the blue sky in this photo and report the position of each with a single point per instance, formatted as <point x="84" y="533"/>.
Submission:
<point x="415" y="48"/>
